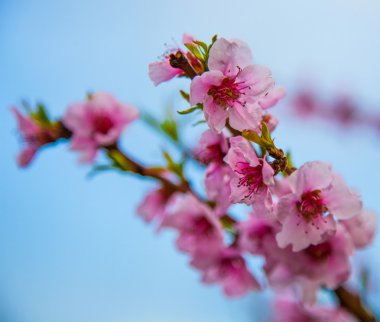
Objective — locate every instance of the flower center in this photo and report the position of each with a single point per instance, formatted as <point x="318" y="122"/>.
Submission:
<point x="250" y="177"/>
<point x="319" y="253"/>
<point x="228" y="92"/>
<point x="215" y="152"/>
<point x="201" y="226"/>
<point x="231" y="265"/>
<point x="102" y="124"/>
<point x="311" y="205"/>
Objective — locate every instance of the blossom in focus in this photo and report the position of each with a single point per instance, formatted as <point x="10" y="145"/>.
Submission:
<point x="97" y="122"/>
<point x="316" y="197"/>
<point x="252" y="175"/>
<point x="200" y="232"/>
<point x="288" y="309"/>
<point x="233" y="87"/>
<point x="361" y="227"/>
<point x="35" y="133"/>
<point x="230" y="270"/>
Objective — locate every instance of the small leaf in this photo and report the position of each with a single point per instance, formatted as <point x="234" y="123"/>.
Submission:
<point x="191" y="109"/>
<point x="100" y="169"/>
<point x="195" y="51"/>
<point x="252" y="136"/>
<point x="202" y="45"/>
<point x="199" y="122"/>
<point x="169" y="126"/>
<point x="186" y="96"/>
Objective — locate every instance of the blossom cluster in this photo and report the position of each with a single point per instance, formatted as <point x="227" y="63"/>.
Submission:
<point x="340" y="110"/>
<point x="304" y="223"/>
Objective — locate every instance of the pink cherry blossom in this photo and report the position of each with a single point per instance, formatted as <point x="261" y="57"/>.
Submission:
<point x="217" y="183"/>
<point x="272" y="97"/>
<point x="35" y="135"/>
<point x="326" y="264"/>
<point x="230" y="270"/>
<point x="288" y="309"/>
<point x="212" y="147"/>
<point x="252" y="175"/>
<point x="317" y="197"/>
<point x="161" y="71"/>
<point x="232" y="88"/>
<point x="97" y="122"/>
<point x="200" y="232"/>
<point x="257" y="233"/>
<point x="362" y="228"/>
<point x="154" y="205"/>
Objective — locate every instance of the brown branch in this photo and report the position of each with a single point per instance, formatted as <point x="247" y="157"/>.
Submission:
<point x="353" y="304"/>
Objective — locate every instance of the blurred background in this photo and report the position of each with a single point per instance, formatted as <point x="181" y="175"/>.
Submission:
<point x="72" y="248"/>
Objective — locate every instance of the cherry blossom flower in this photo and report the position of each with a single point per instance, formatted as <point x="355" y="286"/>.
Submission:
<point x="154" y="205"/>
<point x="212" y="147"/>
<point x="252" y="175"/>
<point x="232" y="88"/>
<point x="96" y="123"/>
<point x="217" y="184"/>
<point x="257" y="233"/>
<point x="200" y="232"/>
<point x="161" y="71"/>
<point x="326" y="264"/>
<point x="230" y="270"/>
<point x="362" y="228"/>
<point x="317" y="197"/>
<point x="288" y="309"/>
<point x="35" y="135"/>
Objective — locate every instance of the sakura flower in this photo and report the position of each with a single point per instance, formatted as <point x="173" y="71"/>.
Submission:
<point x="154" y="205"/>
<point x="232" y="88"/>
<point x="257" y="233"/>
<point x="324" y="265"/>
<point x="162" y="71"/>
<point x="96" y="123"/>
<point x="230" y="270"/>
<point x="252" y="175"/>
<point x="362" y="228"/>
<point x="288" y="309"/>
<point x="35" y="134"/>
<point x="200" y="232"/>
<point x="316" y="197"/>
<point x="212" y="147"/>
<point x="217" y="183"/>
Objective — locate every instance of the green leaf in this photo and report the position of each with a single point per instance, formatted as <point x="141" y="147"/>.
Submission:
<point x="195" y="51"/>
<point x="199" y="122"/>
<point x="173" y="166"/>
<point x="265" y="132"/>
<point x="100" y="169"/>
<point x="202" y="45"/>
<point x="40" y="116"/>
<point x="169" y="126"/>
<point x="252" y="136"/>
<point x="186" y="96"/>
<point x="191" y="109"/>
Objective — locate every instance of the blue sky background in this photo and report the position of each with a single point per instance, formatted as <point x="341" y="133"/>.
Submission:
<point x="72" y="249"/>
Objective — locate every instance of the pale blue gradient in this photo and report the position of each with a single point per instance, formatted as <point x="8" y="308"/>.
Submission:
<point x="72" y="249"/>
